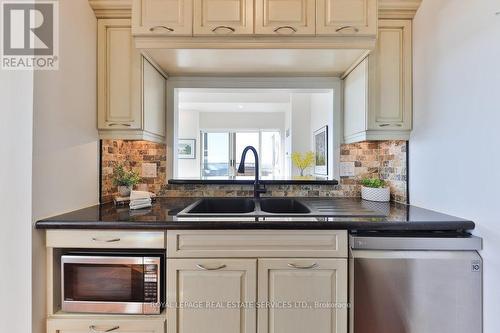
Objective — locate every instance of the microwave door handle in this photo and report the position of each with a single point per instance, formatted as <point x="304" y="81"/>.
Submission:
<point x="93" y="329"/>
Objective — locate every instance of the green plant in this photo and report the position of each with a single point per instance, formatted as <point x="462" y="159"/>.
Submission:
<point x="303" y="161"/>
<point x="121" y="177"/>
<point x="373" y="182"/>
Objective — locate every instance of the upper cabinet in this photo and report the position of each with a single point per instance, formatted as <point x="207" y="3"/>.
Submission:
<point x="223" y="17"/>
<point x="131" y="91"/>
<point x="285" y="17"/>
<point x="162" y="17"/>
<point x="378" y="92"/>
<point x="346" y="17"/>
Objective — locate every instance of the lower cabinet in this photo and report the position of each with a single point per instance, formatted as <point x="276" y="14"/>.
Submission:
<point x="205" y="295"/>
<point x="105" y="325"/>
<point x="220" y="295"/>
<point x="303" y="295"/>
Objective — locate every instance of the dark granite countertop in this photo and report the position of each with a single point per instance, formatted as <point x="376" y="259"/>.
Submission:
<point x="398" y="217"/>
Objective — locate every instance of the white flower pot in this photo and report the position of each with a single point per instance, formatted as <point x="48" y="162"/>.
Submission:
<point x="124" y="191"/>
<point x="376" y="194"/>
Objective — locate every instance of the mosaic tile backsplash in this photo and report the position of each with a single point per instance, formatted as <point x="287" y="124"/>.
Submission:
<point x="384" y="159"/>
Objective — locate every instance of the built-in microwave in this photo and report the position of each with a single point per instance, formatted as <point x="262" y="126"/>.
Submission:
<point x="105" y="282"/>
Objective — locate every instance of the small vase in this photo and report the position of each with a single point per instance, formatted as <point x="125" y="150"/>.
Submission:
<point x="376" y="194"/>
<point x="124" y="191"/>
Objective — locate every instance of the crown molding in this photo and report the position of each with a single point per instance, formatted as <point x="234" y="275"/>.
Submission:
<point x="111" y="8"/>
<point x="398" y="9"/>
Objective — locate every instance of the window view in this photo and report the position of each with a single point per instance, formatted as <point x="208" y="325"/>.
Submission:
<point x="215" y="126"/>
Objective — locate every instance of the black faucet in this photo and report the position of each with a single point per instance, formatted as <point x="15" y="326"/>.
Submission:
<point x="257" y="190"/>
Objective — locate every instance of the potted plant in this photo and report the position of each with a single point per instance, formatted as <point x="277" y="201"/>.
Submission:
<point x="303" y="162"/>
<point x="375" y="189"/>
<point x="125" y="180"/>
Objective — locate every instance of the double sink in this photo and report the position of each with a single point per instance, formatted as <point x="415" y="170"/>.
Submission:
<point x="246" y="207"/>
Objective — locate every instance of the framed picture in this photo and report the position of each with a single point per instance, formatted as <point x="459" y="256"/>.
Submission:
<point x="321" y="151"/>
<point x="186" y="149"/>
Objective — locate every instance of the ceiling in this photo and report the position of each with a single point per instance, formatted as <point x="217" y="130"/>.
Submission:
<point x="264" y="62"/>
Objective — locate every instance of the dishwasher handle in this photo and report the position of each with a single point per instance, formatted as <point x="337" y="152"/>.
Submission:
<point x="471" y="243"/>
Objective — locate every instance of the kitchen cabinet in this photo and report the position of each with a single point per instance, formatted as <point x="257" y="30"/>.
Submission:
<point x="223" y="17"/>
<point x="131" y="91"/>
<point x="378" y="91"/>
<point x="162" y="17"/>
<point x="209" y="293"/>
<point x="347" y="17"/>
<point x="99" y="324"/>
<point x="313" y="292"/>
<point x="285" y="17"/>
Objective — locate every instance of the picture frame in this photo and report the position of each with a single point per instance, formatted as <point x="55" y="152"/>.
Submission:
<point x="186" y="149"/>
<point x="321" y="151"/>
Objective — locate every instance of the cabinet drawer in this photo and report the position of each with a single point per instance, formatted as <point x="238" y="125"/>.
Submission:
<point x="105" y="239"/>
<point x="105" y="325"/>
<point x="256" y="243"/>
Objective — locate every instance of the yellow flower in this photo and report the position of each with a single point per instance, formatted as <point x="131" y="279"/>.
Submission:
<point x="303" y="161"/>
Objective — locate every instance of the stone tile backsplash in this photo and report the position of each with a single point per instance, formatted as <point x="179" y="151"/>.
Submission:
<point x="132" y="154"/>
<point x="384" y="159"/>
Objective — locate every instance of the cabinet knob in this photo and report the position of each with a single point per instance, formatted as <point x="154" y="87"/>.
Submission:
<point x="351" y="27"/>
<point x="224" y="27"/>
<point x="285" y="27"/>
<point x="156" y="27"/>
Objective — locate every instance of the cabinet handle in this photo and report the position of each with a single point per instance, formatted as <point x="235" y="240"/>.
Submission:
<point x="210" y="269"/>
<point x="93" y="329"/>
<point x="285" y="27"/>
<point x="302" y="267"/>
<point x="161" y="27"/>
<point x="119" y="124"/>
<point x="347" y="27"/>
<point x="225" y="27"/>
<point x="387" y="125"/>
<point x="113" y="240"/>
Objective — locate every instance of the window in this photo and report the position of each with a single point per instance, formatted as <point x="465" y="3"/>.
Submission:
<point x="222" y="153"/>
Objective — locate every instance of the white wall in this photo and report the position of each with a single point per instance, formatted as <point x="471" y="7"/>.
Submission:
<point x="321" y="115"/>
<point x="301" y="125"/>
<point x="189" y="128"/>
<point x="65" y="143"/>
<point x="242" y="120"/>
<point x="455" y="144"/>
<point x="16" y="96"/>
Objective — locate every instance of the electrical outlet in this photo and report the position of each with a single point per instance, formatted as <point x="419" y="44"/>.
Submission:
<point x="149" y="170"/>
<point x="346" y="169"/>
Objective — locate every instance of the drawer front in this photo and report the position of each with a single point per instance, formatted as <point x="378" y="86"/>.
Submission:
<point x="105" y="239"/>
<point x="105" y="325"/>
<point x="256" y="243"/>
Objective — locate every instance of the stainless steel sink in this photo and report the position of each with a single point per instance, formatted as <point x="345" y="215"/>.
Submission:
<point x="222" y="206"/>
<point x="283" y="206"/>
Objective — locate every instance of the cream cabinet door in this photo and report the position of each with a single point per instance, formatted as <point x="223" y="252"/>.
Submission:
<point x="154" y="96"/>
<point x="285" y="17"/>
<point x="223" y="17"/>
<point x="304" y="295"/>
<point x="162" y="17"/>
<point x="356" y="100"/>
<point x="105" y="325"/>
<point x="391" y="77"/>
<point x="347" y="17"/>
<point x="204" y="295"/>
<point x="117" y="107"/>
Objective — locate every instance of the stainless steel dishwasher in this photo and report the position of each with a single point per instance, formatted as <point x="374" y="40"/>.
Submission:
<point x="415" y="285"/>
